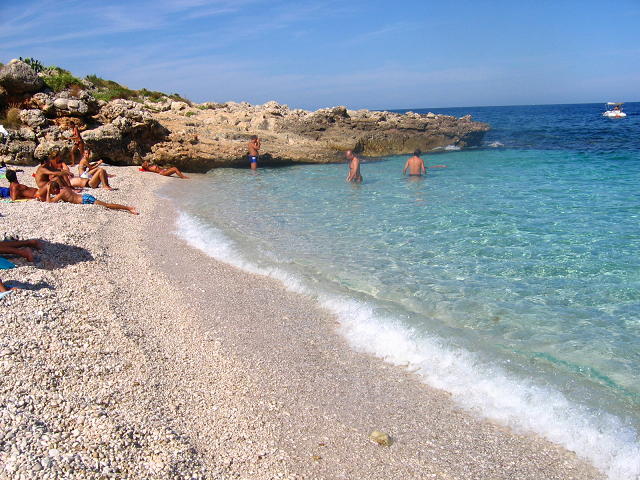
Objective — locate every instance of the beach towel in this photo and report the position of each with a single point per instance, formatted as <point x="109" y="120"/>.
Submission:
<point x="6" y="264"/>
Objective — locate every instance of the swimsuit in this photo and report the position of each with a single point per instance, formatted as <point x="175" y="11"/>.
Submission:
<point x="253" y="158"/>
<point x="86" y="174"/>
<point x="4" y="192"/>
<point x="88" y="199"/>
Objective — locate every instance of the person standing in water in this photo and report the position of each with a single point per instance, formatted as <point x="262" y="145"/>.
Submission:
<point x="254" y="151"/>
<point x="354" y="175"/>
<point x="415" y="165"/>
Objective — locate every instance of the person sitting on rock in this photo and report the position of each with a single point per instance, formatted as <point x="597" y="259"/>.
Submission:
<point x="55" y="193"/>
<point x="100" y="176"/>
<point x="17" y="191"/>
<point x="166" y="172"/>
<point x="78" y="145"/>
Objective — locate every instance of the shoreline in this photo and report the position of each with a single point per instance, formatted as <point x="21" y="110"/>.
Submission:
<point x="254" y="380"/>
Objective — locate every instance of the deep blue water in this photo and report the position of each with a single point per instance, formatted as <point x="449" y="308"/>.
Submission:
<point x="579" y="128"/>
<point x="510" y="278"/>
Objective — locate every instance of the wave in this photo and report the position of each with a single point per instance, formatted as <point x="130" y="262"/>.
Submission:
<point x="475" y="385"/>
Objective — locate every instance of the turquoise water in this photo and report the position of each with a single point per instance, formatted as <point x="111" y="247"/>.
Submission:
<point x="510" y="278"/>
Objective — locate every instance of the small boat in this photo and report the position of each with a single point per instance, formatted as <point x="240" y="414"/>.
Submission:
<point x="614" y="110"/>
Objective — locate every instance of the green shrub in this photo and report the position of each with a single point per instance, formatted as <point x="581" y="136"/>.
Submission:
<point x="190" y="113"/>
<point x="55" y="70"/>
<point x="36" y="65"/>
<point x="151" y="95"/>
<point x="101" y="82"/>
<point x="59" y="82"/>
<point x="111" y="93"/>
<point x="179" y="98"/>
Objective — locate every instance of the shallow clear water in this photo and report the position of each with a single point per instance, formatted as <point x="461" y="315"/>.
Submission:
<point x="510" y="278"/>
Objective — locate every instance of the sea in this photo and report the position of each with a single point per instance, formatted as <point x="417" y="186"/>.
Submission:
<point x="508" y="276"/>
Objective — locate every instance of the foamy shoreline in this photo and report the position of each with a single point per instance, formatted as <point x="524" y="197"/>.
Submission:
<point x="144" y="354"/>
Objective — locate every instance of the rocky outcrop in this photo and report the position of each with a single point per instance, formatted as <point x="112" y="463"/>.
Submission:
<point x="213" y="135"/>
<point x="18" y="77"/>
<point x="210" y="135"/>
<point x="115" y="131"/>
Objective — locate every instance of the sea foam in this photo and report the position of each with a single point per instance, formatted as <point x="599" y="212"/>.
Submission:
<point x="475" y="385"/>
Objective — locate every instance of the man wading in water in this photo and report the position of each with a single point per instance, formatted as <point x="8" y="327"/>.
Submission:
<point x="415" y="165"/>
<point x="354" y="167"/>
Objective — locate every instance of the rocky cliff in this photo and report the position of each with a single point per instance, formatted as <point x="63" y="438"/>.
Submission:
<point x="198" y="137"/>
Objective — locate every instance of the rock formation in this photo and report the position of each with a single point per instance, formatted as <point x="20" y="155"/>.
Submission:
<point x="209" y="135"/>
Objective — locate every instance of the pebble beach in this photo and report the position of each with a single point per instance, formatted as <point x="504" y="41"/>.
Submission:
<point x="128" y="354"/>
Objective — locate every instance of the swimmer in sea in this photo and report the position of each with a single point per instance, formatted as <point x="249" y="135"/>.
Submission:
<point x="254" y="151"/>
<point x="415" y="165"/>
<point x="354" y="175"/>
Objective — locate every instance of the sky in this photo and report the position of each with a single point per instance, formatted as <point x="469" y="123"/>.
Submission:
<point x="360" y="53"/>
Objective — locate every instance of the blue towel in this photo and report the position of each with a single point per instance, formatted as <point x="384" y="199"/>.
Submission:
<point x="6" y="264"/>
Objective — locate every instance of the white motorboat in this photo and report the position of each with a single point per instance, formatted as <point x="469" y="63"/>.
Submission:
<point x="614" y="110"/>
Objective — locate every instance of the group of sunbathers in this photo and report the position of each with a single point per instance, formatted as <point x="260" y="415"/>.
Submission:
<point x="55" y="182"/>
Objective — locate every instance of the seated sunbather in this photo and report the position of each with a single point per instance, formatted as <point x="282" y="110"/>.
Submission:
<point x="49" y="170"/>
<point x="86" y="168"/>
<point x="167" y="172"/>
<point x="94" y="181"/>
<point x="55" y="193"/>
<point x="17" y="191"/>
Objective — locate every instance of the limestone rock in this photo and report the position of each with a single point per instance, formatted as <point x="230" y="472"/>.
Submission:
<point x="18" y="152"/>
<point x="80" y="105"/>
<point x="33" y="117"/>
<point x="18" y="77"/>
<point x="44" y="102"/>
<point x="291" y="136"/>
<point x="179" y="106"/>
<point x="120" y="108"/>
<point x="48" y="145"/>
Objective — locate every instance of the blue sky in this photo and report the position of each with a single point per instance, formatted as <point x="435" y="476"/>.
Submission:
<point x="363" y="54"/>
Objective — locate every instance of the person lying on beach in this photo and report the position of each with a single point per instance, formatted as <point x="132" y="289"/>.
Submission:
<point x="354" y="175"/>
<point x="48" y="171"/>
<point x="254" y="151"/>
<point x="166" y="172"/>
<point x="22" y="248"/>
<point x="415" y="165"/>
<point x="55" y="193"/>
<point x="78" y="145"/>
<point x="100" y="176"/>
<point x="17" y="191"/>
